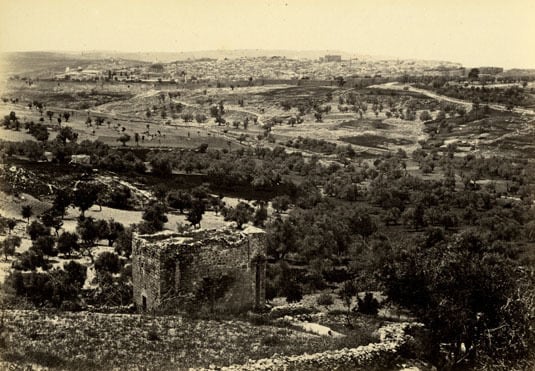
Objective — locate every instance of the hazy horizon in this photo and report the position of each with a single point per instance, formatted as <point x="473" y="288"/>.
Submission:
<point x="478" y="33"/>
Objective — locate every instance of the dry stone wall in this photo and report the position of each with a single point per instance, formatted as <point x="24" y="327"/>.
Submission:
<point x="366" y="357"/>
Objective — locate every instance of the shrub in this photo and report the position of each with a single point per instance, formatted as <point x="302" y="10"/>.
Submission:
<point x="31" y="260"/>
<point x="325" y="300"/>
<point x="161" y="165"/>
<point x="145" y="228"/>
<point x="46" y="245"/>
<point x="293" y="292"/>
<point x="120" y="198"/>
<point x="203" y="147"/>
<point x="9" y="245"/>
<point x="425" y="116"/>
<point x="258" y="319"/>
<point x="270" y="340"/>
<point x="152" y="335"/>
<point x="154" y="218"/>
<point x="281" y="203"/>
<point x="200" y="118"/>
<point x="43" y="289"/>
<point x="76" y="273"/>
<point x="108" y="262"/>
<point x="37" y="229"/>
<point x="368" y="305"/>
<point x="123" y="243"/>
<point x="290" y="310"/>
<point x="67" y="243"/>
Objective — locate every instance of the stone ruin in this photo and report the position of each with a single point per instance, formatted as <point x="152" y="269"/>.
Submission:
<point x="224" y="270"/>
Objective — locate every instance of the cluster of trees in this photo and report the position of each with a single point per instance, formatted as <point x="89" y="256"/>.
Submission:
<point x="496" y="167"/>
<point x="9" y="245"/>
<point x="34" y="280"/>
<point x="60" y="287"/>
<point x="11" y="121"/>
<point x="217" y="112"/>
<point x="510" y="96"/>
<point x="465" y="285"/>
<point x="83" y="196"/>
<point x="320" y="146"/>
<point x="38" y="131"/>
<point x="321" y="233"/>
<point x="196" y="201"/>
<point x="306" y="105"/>
<point x="65" y="145"/>
<point x="243" y="213"/>
<point x="153" y="217"/>
<point x="275" y="169"/>
<point x="69" y="244"/>
<point x="402" y="106"/>
<point x="261" y="168"/>
<point x="467" y="289"/>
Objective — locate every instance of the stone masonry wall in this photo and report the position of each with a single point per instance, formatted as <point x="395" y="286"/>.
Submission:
<point x="165" y="266"/>
<point x="149" y="263"/>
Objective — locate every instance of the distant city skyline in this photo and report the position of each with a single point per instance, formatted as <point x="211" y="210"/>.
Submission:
<point x="474" y="33"/>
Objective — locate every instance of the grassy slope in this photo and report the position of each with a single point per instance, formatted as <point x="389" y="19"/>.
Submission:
<point x="85" y="341"/>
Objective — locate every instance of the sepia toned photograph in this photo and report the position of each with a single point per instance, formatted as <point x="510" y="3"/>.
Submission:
<point x="297" y="185"/>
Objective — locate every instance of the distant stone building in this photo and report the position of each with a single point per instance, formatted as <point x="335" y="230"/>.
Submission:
<point x="490" y="70"/>
<point x="332" y="58"/>
<point x="224" y="270"/>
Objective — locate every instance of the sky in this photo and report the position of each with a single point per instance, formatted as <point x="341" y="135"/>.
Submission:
<point x="472" y="32"/>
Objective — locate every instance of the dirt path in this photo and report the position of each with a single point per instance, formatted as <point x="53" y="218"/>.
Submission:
<point x="439" y="97"/>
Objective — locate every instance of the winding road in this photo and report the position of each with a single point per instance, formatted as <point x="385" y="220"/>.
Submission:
<point x="439" y="97"/>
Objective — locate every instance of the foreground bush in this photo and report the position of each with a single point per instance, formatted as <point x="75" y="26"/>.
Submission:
<point x="58" y="288"/>
<point x="472" y="297"/>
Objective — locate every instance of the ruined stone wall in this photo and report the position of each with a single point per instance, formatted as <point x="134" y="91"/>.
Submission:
<point x="145" y="275"/>
<point x="241" y="260"/>
<point x="153" y="268"/>
<point x="167" y="267"/>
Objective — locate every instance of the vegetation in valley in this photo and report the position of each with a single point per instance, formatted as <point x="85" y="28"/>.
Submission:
<point x="440" y="227"/>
